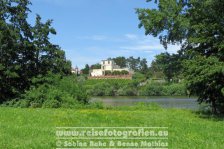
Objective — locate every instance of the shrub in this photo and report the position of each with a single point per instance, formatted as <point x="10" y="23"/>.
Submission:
<point x="103" y="89"/>
<point x="64" y="92"/>
<point x="51" y="104"/>
<point x="159" y="89"/>
<point x="127" y="91"/>
<point x="152" y="90"/>
<point x="124" y="72"/>
<point x="174" y="89"/>
<point x="116" y="73"/>
<point x="108" y="72"/>
<point x="139" y="77"/>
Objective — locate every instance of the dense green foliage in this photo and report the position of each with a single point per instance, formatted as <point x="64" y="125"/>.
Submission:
<point x="198" y="26"/>
<point x="120" y="61"/>
<point x="167" y="66"/>
<point x="95" y="66"/>
<point x="86" y="69"/>
<point x="208" y="76"/>
<point x="107" y="87"/>
<point x="158" y="89"/>
<point x="25" y="50"/>
<point x="186" y="129"/>
<point x="123" y="72"/>
<point x="54" y="93"/>
<point x="120" y="87"/>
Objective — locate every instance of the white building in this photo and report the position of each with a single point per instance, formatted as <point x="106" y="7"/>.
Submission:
<point x="107" y="65"/>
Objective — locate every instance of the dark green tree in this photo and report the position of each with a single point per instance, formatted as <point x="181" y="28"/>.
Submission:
<point x="96" y="66"/>
<point x="120" y="61"/>
<point x="133" y="63"/>
<point x="169" y="64"/>
<point x="198" y="26"/>
<point x="15" y="48"/>
<point x="86" y="69"/>
<point x="25" y="50"/>
<point x="143" y="66"/>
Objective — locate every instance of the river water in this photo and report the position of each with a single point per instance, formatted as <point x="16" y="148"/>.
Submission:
<point x="163" y="101"/>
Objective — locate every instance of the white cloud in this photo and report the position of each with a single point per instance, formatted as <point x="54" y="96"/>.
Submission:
<point x="147" y="44"/>
<point x="131" y="36"/>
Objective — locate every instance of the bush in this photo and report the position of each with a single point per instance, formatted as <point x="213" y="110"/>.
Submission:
<point x="174" y="90"/>
<point x="107" y="72"/>
<point x="127" y="91"/>
<point x="65" y="92"/>
<point x="124" y="72"/>
<point x="151" y="90"/>
<point x="139" y="77"/>
<point x="51" y="104"/>
<point x="116" y="73"/>
<point x="102" y="89"/>
<point x="159" y="89"/>
<point x="120" y="87"/>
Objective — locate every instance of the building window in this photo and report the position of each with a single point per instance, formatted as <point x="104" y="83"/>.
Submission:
<point x="108" y="62"/>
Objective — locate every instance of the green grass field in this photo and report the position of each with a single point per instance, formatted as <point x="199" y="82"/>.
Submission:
<point x="35" y="128"/>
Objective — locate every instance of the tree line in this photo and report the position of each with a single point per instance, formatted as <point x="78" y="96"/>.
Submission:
<point x="135" y="64"/>
<point x="165" y="66"/>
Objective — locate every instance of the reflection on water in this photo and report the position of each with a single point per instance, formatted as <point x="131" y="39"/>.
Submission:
<point x="167" y="102"/>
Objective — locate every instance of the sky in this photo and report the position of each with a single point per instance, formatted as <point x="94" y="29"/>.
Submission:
<point x="93" y="30"/>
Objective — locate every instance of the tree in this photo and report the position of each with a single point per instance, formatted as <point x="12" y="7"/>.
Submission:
<point x="15" y="36"/>
<point x="169" y="64"/>
<point x="120" y="61"/>
<point x="96" y="66"/>
<point x="86" y="69"/>
<point x="198" y="26"/>
<point x="25" y="50"/>
<point x="143" y="66"/>
<point x="205" y="78"/>
<point x="133" y="63"/>
<point x="48" y="57"/>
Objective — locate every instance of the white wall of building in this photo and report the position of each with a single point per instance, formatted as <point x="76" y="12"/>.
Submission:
<point x="96" y="72"/>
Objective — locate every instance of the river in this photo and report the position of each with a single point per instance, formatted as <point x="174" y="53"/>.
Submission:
<point x="163" y="101"/>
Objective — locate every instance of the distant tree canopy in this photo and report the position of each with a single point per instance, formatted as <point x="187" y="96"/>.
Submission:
<point x="25" y="50"/>
<point x="95" y="66"/>
<point x="198" y="26"/>
<point x="168" y="66"/>
<point x="86" y="69"/>
<point x="120" y="61"/>
<point x="136" y="64"/>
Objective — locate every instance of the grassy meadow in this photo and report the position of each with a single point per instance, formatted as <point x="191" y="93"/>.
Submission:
<point x="35" y="128"/>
